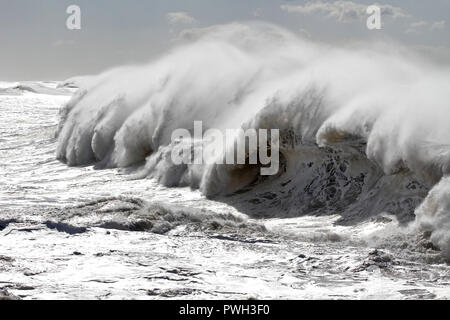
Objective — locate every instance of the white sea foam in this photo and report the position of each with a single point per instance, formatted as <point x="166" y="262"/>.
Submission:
<point x="364" y="129"/>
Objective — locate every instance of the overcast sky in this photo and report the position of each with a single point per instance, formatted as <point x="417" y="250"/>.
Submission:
<point x="36" y="45"/>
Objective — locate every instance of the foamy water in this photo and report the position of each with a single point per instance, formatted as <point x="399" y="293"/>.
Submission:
<point x="359" y="208"/>
<point x="357" y="141"/>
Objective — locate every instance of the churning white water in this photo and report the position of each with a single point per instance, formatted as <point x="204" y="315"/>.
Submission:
<point x="383" y="113"/>
<point x="360" y="206"/>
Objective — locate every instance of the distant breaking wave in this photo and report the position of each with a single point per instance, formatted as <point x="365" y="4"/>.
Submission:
<point x="48" y="88"/>
<point x="363" y="130"/>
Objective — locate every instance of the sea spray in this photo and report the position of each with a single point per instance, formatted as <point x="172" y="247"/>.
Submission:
<point x="354" y="141"/>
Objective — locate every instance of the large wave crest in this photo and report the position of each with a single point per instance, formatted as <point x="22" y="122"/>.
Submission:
<point x="364" y="130"/>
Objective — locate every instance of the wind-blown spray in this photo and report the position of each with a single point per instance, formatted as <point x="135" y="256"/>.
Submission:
<point x="362" y="130"/>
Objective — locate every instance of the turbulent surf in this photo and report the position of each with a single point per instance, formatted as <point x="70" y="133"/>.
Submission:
<point x="355" y="141"/>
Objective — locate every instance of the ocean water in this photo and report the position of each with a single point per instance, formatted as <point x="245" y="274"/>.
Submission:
<point x="91" y="205"/>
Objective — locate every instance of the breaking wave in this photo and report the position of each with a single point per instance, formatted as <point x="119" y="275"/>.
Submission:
<point x="48" y="88"/>
<point x="364" y="130"/>
<point x="134" y="214"/>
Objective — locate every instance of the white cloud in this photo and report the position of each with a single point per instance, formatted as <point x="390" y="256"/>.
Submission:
<point x="419" y="24"/>
<point x="180" y="17"/>
<point x="343" y="11"/>
<point x="438" y="25"/>
<point x="415" y="27"/>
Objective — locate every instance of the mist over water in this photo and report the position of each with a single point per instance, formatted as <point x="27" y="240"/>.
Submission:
<point x="362" y="130"/>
